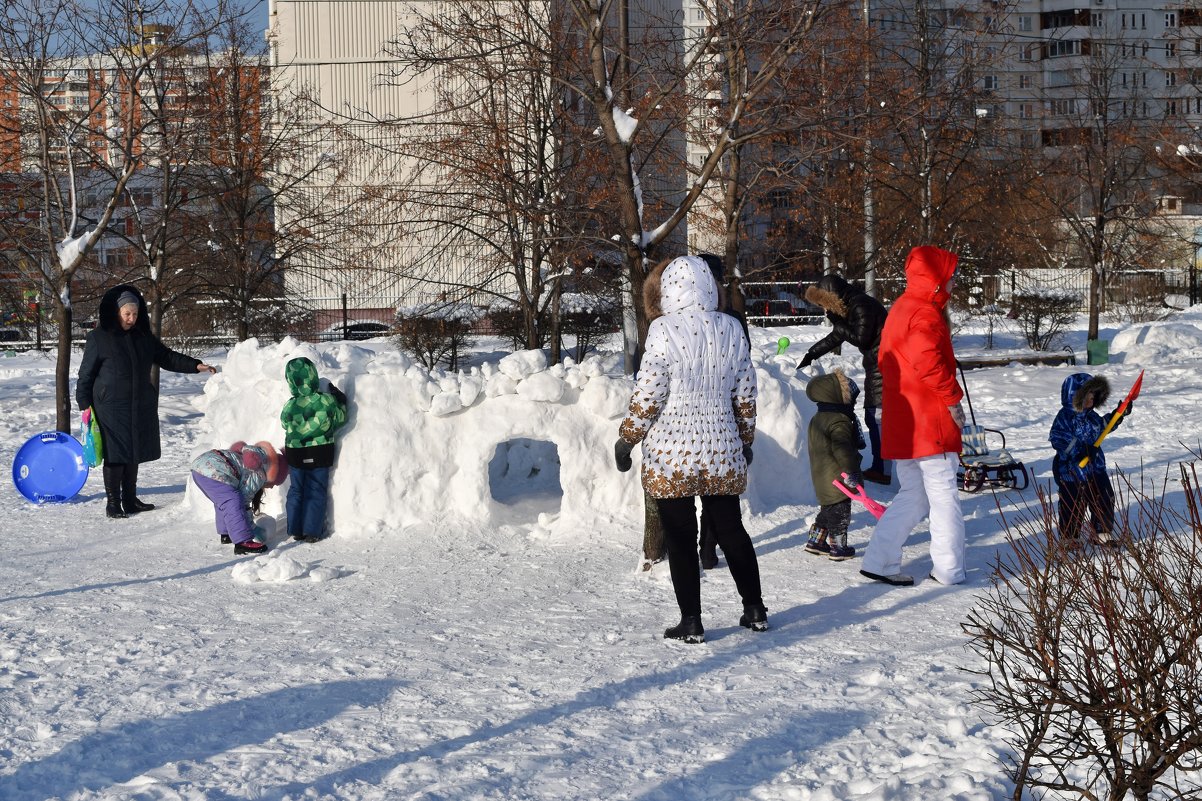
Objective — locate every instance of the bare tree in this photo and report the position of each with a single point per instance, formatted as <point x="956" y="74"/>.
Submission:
<point x="255" y="204"/>
<point x="638" y="93"/>
<point x="1093" y="166"/>
<point x="97" y="147"/>
<point x="500" y="167"/>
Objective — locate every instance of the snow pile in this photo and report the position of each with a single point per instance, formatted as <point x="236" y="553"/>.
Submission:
<point x="277" y="567"/>
<point x="1148" y="343"/>
<point x="422" y="446"/>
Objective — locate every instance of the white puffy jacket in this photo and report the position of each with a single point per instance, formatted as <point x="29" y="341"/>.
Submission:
<point x="693" y="407"/>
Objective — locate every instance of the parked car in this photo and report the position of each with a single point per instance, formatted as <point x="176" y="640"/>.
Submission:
<point x="363" y="329"/>
<point x="766" y="312"/>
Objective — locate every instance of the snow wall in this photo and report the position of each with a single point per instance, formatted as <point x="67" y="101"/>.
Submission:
<point x="425" y="447"/>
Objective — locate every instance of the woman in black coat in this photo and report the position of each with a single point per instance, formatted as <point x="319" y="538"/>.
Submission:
<point x="114" y="379"/>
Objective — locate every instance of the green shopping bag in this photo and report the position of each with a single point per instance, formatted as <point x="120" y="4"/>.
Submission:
<point x="93" y="443"/>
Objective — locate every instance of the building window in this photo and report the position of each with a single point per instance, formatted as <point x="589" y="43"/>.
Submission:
<point x="989" y="83"/>
<point x="1170" y="19"/>
<point x="1024" y="23"/>
<point x="1170" y="108"/>
<point x="1170" y="79"/>
<point x="1024" y="82"/>
<point x="1026" y="111"/>
<point x="1170" y="49"/>
<point x="1062" y="107"/>
<point x="1097" y="19"/>
<point x="1143" y="22"/>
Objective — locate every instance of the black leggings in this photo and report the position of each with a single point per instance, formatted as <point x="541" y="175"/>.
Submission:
<point x="679" y="519"/>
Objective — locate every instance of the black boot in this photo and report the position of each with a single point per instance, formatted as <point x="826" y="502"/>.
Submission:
<point x="755" y="617"/>
<point x="129" y="492"/>
<point x="112" y="490"/>
<point x="689" y="630"/>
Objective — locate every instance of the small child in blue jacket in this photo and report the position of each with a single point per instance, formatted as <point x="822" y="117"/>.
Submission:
<point x="1083" y="490"/>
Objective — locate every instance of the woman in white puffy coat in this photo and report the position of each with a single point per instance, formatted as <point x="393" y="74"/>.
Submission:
<point x="694" y="411"/>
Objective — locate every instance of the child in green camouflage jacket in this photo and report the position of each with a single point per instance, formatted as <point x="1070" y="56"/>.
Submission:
<point x="311" y="418"/>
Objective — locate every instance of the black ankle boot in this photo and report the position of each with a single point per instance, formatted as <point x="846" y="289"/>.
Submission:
<point x="689" y="630"/>
<point x="132" y="507"/>
<point x="129" y="491"/>
<point x="112" y="509"/>
<point x="755" y="617"/>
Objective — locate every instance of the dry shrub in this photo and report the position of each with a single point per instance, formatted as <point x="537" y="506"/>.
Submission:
<point x="1091" y="655"/>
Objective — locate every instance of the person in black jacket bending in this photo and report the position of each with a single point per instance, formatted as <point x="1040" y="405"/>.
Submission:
<point x="114" y="379"/>
<point x="857" y="319"/>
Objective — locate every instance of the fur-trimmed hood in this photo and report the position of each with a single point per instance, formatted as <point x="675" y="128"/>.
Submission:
<point x="834" y="387"/>
<point x="682" y="284"/>
<point x="828" y="300"/>
<point x="1078" y="386"/>
<point x="107" y="316"/>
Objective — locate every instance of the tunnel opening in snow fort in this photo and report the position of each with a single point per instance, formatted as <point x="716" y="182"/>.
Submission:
<point x="525" y="472"/>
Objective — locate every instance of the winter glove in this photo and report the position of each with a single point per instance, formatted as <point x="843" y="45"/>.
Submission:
<point x="1093" y="452"/>
<point x="622" y="450"/>
<point x="806" y="360"/>
<point x="1130" y="409"/>
<point x="957" y="413"/>
<point x="854" y="480"/>
<point x="747" y="455"/>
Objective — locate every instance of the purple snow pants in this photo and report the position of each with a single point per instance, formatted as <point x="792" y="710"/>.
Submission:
<point x="232" y="518"/>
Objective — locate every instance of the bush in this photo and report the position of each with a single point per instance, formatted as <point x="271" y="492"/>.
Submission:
<point x="1092" y="656"/>
<point x="436" y="333"/>
<point x="1042" y="314"/>
<point x="588" y="317"/>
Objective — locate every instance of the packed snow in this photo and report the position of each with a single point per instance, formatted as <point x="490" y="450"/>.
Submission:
<point x="479" y="626"/>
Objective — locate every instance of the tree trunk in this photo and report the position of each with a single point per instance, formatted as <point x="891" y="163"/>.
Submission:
<point x="556" y="291"/>
<point x="154" y="307"/>
<point x="62" y="367"/>
<point x="653" y="532"/>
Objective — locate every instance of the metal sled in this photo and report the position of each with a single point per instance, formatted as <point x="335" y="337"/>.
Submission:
<point x="981" y="465"/>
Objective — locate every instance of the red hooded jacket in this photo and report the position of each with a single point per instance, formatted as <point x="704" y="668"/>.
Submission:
<point x="918" y="367"/>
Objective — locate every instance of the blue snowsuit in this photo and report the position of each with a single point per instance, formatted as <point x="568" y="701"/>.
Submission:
<point x="1074" y="431"/>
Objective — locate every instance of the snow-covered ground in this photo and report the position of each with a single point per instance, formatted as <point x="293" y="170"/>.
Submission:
<point x="511" y="649"/>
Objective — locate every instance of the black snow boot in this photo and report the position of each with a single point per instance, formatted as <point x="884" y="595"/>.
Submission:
<point x="755" y="617"/>
<point x="689" y="630"/>
<point x="112" y="490"/>
<point x="129" y="492"/>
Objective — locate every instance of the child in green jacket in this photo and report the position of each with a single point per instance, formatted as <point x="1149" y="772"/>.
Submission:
<point x="835" y="441"/>
<point x="310" y="421"/>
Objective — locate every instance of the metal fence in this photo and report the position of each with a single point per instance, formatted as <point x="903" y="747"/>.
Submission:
<point x="1123" y="291"/>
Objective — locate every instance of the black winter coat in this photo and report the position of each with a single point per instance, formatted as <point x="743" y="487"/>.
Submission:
<point x="114" y="379"/>
<point x="857" y="319"/>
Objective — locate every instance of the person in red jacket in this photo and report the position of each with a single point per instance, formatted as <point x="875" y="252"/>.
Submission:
<point x="921" y="418"/>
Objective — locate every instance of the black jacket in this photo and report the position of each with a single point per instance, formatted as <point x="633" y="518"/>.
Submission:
<point x="114" y="379"/>
<point x="857" y="319"/>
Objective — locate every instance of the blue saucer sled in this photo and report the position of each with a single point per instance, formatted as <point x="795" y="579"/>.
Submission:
<point x="50" y="468"/>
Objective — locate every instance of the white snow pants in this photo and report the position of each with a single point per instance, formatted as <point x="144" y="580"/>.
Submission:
<point x="928" y="485"/>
